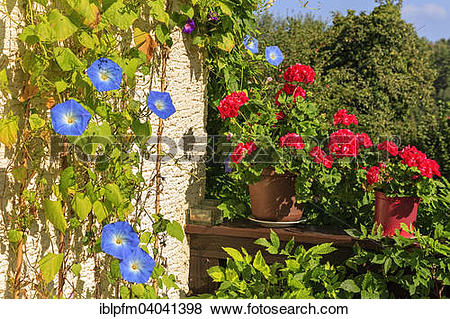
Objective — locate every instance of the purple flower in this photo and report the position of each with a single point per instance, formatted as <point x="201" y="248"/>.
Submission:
<point x="228" y="168"/>
<point x="189" y="27"/>
<point x="212" y="16"/>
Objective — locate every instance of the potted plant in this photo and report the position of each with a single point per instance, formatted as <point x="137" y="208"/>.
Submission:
<point x="401" y="182"/>
<point x="267" y="135"/>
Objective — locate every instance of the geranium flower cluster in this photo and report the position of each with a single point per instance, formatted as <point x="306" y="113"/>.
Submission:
<point x="321" y="158"/>
<point x="241" y="150"/>
<point x="343" y="142"/>
<point x="292" y="140"/>
<point x="119" y="240"/>
<point x="410" y="156"/>
<point x="229" y="106"/>
<point x="341" y="117"/>
<point x="299" y="73"/>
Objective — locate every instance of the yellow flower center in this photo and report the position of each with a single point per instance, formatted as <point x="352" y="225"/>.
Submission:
<point x="104" y="76"/>
<point x="118" y="241"/>
<point x="70" y="119"/>
<point x="273" y="56"/>
<point x="134" y="267"/>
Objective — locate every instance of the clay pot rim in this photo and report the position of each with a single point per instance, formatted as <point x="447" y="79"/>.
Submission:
<point x="381" y="195"/>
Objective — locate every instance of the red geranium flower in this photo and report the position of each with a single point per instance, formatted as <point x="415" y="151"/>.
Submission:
<point x="343" y="143"/>
<point x="280" y="115"/>
<point x="341" y="117"/>
<point x="229" y="106"/>
<point x="250" y="147"/>
<point x="372" y="175"/>
<point x="328" y="161"/>
<point x="429" y="167"/>
<point x="292" y="140"/>
<point x="299" y="73"/>
<point x="242" y="150"/>
<point x="390" y="147"/>
<point x="238" y="153"/>
<point x="317" y="154"/>
<point x="411" y="156"/>
<point x="364" y="140"/>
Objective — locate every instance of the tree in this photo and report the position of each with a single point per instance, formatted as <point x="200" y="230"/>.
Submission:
<point x="441" y="59"/>
<point x="376" y="65"/>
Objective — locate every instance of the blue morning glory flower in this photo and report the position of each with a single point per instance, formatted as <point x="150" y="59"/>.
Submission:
<point x="137" y="266"/>
<point x="251" y="44"/>
<point x="161" y="104"/>
<point x="69" y="118"/>
<point x="274" y="55"/>
<point x="105" y="74"/>
<point x="118" y="239"/>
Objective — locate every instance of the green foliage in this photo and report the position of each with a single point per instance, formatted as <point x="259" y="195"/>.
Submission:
<point x="397" y="268"/>
<point x="50" y="265"/>
<point x="301" y="275"/>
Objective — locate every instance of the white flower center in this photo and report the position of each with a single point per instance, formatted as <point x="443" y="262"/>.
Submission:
<point x="118" y="240"/>
<point x="273" y="56"/>
<point x="159" y="105"/>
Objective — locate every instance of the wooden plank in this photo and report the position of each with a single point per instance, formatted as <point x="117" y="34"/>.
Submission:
<point x="302" y="234"/>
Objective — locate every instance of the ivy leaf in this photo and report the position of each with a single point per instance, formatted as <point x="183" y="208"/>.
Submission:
<point x="14" y="235"/>
<point x="138" y="290"/>
<point x="234" y="253"/>
<point x="29" y="35"/>
<point x="62" y="25"/>
<point x="275" y="240"/>
<point x="143" y="130"/>
<point x="145" y="237"/>
<point x="67" y="180"/>
<point x="162" y="33"/>
<point x="87" y="40"/>
<point x="119" y="15"/>
<point x="99" y="211"/>
<point x="113" y="194"/>
<point x="225" y="42"/>
<point x="67" y="60"/>
<point x="8" y="131"/>
<point x="54" y="213"/>
<point x="81" y="205"/>
<point x="124" y="292"/>
<point x="50" y="265"/>
<point x="158" y="11"/>
<point x="175" y="230"/>
<point x="45" y="32"/>
<point x="114" y="269"/>
<point x="76" y="269"/>
<point x="36" y="122"/>
<point x="225" y="9"/>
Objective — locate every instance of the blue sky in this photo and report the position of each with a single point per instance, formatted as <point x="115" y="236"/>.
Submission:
<point x="431" y="18"/>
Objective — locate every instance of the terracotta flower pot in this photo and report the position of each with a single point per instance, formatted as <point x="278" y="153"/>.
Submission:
<point x="273" y="198"/>
<point x="392" y="211"/>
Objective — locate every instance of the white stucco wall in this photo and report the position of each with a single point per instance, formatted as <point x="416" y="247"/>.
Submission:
<point x="183" y="183"/>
